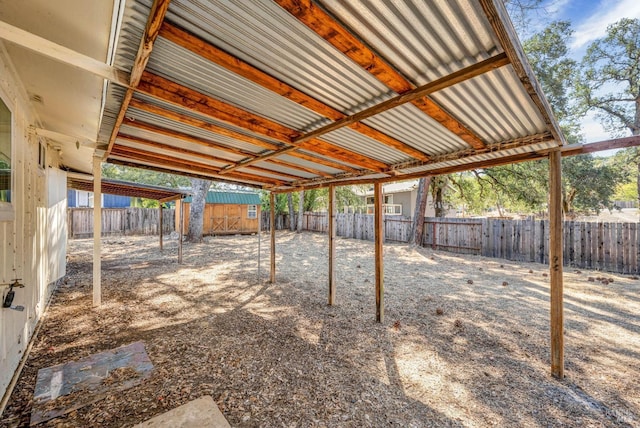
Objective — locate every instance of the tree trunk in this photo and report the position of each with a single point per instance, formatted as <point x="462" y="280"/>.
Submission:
<point x="199" y="188"/>
<point x="438" y="204"/>
<point x="300" y="210"/>
<point x="417" y="226"/>
<point x="292" y="225"/>
<point x="638" y="185"/>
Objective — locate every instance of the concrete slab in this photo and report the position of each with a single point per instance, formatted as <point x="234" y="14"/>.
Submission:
<point x="199" y="413"/>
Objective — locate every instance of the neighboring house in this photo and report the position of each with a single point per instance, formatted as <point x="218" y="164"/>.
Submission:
<point x="400" y="200"/>
<point x="226" y="213"/>
<point x="84" y="199"/>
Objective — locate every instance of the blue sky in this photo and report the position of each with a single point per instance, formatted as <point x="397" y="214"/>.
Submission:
<point x="589" y="19"/>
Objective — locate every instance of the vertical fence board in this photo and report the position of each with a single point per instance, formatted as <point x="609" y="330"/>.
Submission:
<point x="605" y="246"/>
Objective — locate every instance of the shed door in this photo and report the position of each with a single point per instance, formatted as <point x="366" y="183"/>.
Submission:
<point x="217" y="218"/>
<point x="233" y="218"/>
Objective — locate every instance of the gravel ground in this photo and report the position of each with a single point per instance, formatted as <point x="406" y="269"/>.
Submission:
<point x="465" y="340"/>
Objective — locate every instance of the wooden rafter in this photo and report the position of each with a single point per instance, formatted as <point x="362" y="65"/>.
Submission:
<point x="187" y="173"/>
<point x="194" y="153"/>
<point x="167" y="147"/>
<point x="137" y="124"/>
<point x="202" y="124"/>
<point x="198" y="123"/>
<point x="175" y="93"/>
<point x="154" y="21"/>
<point x="180" y="95"/>
<point x="62" y="54"/>
<point x="332" y="31"/>
<point x="571" y="150"/>
<point x="506" y="34"/>
<point x="208" y="143"/>
<point x="298" y="167"/>
<point x="322" y="161"/>
<point x="172" y="162"/>
<point x="231" y="63"/>
<point x="461" y="75"/>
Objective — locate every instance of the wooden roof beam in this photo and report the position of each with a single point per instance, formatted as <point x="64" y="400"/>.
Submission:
<point x="177" y="94"/>
<point x="348" y="178"/>
<point x="154" y="21"/>
<point x="506" y="34"/>
<point x="570" y="150"/>
<point x="135" y="164"/>
<point x="185" y="137"/>
<point x="333" y="32"/>
<point x="204" y="156"/>
<point x="207" y="143"/>
<point x="62" y="54"/>
<point x="202" y="124"/>
<point x="198" y="123"/>
<point x="237" y="66"/>
<point x="169" y="162"/>
<point x="461" y="75"/>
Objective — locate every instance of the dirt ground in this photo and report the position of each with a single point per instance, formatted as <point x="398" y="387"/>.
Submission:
<point x="465" y="340"/>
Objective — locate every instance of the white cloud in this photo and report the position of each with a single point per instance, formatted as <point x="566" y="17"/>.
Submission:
<point x="593" y="130"/>
<point x="595" y="26"/>
<point x="556" y="8"/>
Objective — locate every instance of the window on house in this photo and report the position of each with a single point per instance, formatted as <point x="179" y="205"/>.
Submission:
<point x="41" y="155"/>
<point x="252" y="211"/>
<point x="5" y="153"/>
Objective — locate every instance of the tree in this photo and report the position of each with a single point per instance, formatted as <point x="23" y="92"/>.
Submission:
<point x="292" y="226"/>
<point x="588" y="184"/>
<point x="438" y="190"/>
<point x="199" y="189"/>
<point x="300" y="210"/>
<point x="143" y="176"/>
<point x="609" y="82"/>
<point x="415" y="237"/>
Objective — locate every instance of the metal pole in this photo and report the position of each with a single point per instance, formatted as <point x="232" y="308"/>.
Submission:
<point x="97" y="231"/>
<point x="160" y="223"/>
<point x="181" y="231"/>
<point x="259" y="239"/>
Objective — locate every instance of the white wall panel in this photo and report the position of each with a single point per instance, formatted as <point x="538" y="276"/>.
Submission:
<point x="33" y="239"/>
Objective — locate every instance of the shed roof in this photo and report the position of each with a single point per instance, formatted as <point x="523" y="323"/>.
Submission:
<point x="234" y="198"/>
<point x="125" y="188"/>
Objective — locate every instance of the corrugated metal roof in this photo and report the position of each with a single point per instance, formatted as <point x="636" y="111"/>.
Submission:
<point x="221" y="197"/>
<point x="423" y="41"/>
<point x="268" y="37"/>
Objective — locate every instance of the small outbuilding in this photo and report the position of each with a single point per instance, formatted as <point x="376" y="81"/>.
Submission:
<point x="226" y="213"/>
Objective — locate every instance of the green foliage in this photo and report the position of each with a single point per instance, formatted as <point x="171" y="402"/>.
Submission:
<point x="626" y="192"/>
<point x="609" y="81"/>
<point x="143" y="176"/>
<point x="316" y="199"/>
<point x="547" y="53"/>
<point x="589" y="183"/>
<point x="144" y="203"/>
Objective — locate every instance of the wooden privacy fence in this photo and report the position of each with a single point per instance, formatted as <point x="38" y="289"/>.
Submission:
<point x="119" y="221"/>
<point x="603" y="246"/>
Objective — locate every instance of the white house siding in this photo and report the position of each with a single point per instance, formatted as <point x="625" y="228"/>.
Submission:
<point x="33" y="243"/>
